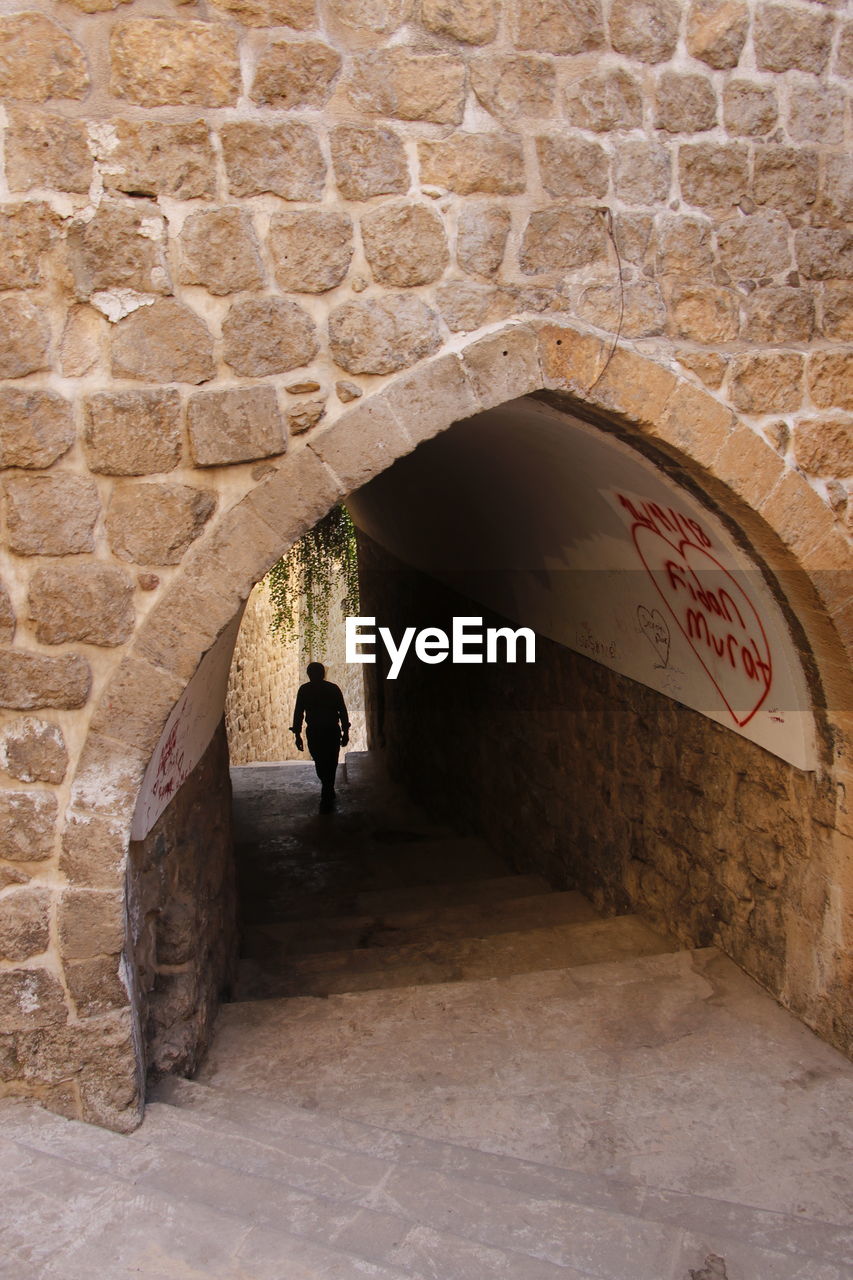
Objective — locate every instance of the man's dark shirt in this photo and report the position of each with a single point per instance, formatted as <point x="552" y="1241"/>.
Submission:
<point x="322" y="704"/>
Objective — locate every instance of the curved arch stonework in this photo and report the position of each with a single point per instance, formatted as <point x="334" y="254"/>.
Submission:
<point x="252" y="254"/>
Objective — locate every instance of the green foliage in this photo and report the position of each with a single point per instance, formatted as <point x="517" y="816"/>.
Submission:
<point x="301" y="583"/>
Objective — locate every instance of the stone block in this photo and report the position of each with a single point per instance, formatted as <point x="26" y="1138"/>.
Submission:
<point x="642" y="172"/>
<point x="24" y="338"/>
<point x="405" y="244"/>
<point x="92" y="603"/>
<point x="296" y="496"/>
<point x="362" y="444"/>
<point x="305" y="416"/>
<point x="824" y="253"/>
<point x="97" y="6"/>
<point x="562" y="237"/>
<point x="283" y="159"/>
<point x="132" y="433"/>
<point x="796" y="513"/>
<point x="36" y="427"/>
<point x="409" y="86"/>
<point x="837" y="311"/>
<point x="47" y="151"/>
<point x="38" y="60"/>
<point x="30" y="999"/>
<point x="570" y="360"/>
<point x="572" y="166"/>
<point x="481" y="237"/>
<point x="466" y="305"/>
<point x="296" y="74"/>
<point x="94" y="850"/>
<point x="754" y="246"/>
<point x="432" y="397"/>
<point x="767" y="382"/>
<point x="785" y="177"/>
<point x="831" y="379"/>
<point x="550" y="26"/>
<point x="843" y="65"/>
<point x="788" y="39"/>
<point x="133" y="710"/>
<point x="162" y="62"/>
<point x="91" y="923"/>
<point x="471" y="21"/>
<point x="637" y="389"/>
<point x="816" y="113"/>
<point x="781" y="314"/>
<point x="26" y="233"/>
<point x="155" y="523"/>
<point x="685" y="103"/>
<point x="27" y="825"/>
<point x="835" y="199"/>
<point x="51" y="515"/>
<point x="83" y="340"/>
<point x="165" y="342"/>
<point x="96" y="986"/>
<point x="298" y="14"/>
<point x="690" y="420"/>
<point x="747" y="466"/>
<point x="33" y="750"/>
<point x="504" y="366"/>
<point x="368" y="162"/>
<point x="605" y="102"/>
<point x="263" y="336"/>
<point x="749" y="109"/>
<point x="153" y="158"/>
<point x="474" y="162"/>
<point x="219" y="250"/>
<point x="29" y="681"/>
<point x="382" y="17"/>
<point x="24" y="923"/>
<point x="824" y="446"/>
<point x="713" y="176"/>
<point x="513" y="86"/>
<point x="119" y="248"/>
<point x="636" y="308"/>
<point x="382" y="335"/>
<point x="238" y="425"/>
<point x="708" y="366"/>
<point x="311" y="250"/>
<point x="645" y="29"/>
<point x="7" y="616"/>
<point x="685" y="247"/>
<point x="716" y="31"/>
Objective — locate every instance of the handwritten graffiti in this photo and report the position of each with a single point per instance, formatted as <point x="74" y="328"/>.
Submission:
<point x="599" y="649"/>
<point x="654" y="627"/>
<point x="171" y="769"/>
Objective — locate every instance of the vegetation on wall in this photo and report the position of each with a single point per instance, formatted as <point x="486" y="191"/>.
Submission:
<point x="303" y="582"/>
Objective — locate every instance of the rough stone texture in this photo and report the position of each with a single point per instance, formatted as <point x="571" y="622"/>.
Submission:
<point x="816" y="113"/>
<point x="93" y="851"/>
<point x="7" y="616"/>
<point x="283" y="159"/>
<point x="24" y="338"/>
<point x="471" y="21"/>
<point x="30" y="999"/>
<point x="298" y="14"/>
<point x="91" y="923"/>
<point x="268" y="335"/>
<point x="836" y="190"/>
<point x="788" y="38"/>
<point x="550" y="26"/>
<point x="305" y="415"/>
<point x="767" y="382"/>
<point x="704" y="313"/>
<point x="409" y="86"/>
<point x="219" y="250"/>
<point x="785" y="178"/>
<point x="86" y="602"/>
<point x="155" y="523"/>
<point x="33" y="750"/>
<point x="405" y="244"/>
<point x="82" y="343"/>
<point x="51" y="515"/>
<point x="154" y="159"/>
<point x="47" y="151"/>
<point x="716" y="31"/>
<point x="713" y="176"/>
<point x="474" y="162"/>
<point x="824" y="446"/>
<point x="119" y="248"/>
<point x="837" y="319"/>
<point x="685" y="103"/>
<point x="27" y="823"/>
<point x="368" y="162"/>
<point x="781" y="314"/>
<point x="512" y="86"/>
<point x="311" y="251"/>
<point x="562" y="237"/>
<point x="158" y="62"/>
<point x="36" y="427"/>
<point x="749" y="109"/>
<point x="642" y="172"/>
<point x="684" y="247"/>
<point x="24" y="923"/>
<point x="234" y="426"/>
<point x="132" y="433"/>
<point x="824" y="253"/>
<point x="755" y="246"/>
<point x="382" y="335"/>
<point x="165" y="342"/>
<point x="38" y="60"/>
<point x="644" y="29"/>
<point x="381" y="17"/>
<point x="605" y="101"/>
<point x="293" y="74"/>
<point x="481" y="238"/>
<point x="572" y="166"/>
<point x="32" y="680"/>
<point x="831" y="379"/>
<point x="638" y="306"/>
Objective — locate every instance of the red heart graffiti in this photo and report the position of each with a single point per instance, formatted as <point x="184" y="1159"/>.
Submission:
<point x="716" y="617"/>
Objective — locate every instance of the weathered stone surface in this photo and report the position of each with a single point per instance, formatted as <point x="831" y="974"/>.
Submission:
<point x="749" y="109"/>
<point x="831" y="379"/>
<point x="716" y="31"/>
<point x="754" y="246"/>
<point x="844" y="54"/>
<point x="26" y="233"/>
<point x="119" y="247"/>
<point x="132" y="433"/>
<point x="550" y="26"/>
<point x="298" y="14"/>
<point x="824" y="446"/>
<point x="159" y="62"/>
<point x="824" y="253"/>
<point x="785" y="177"/>
<point x="685" y="103"/>
<point x="562" y="237"/>
<point x="637" y="309"/>
<point x="474" y="162"/>
<point x="789" y="39"/>
<point x="685" y="247"/>
<point x="33" y="750"/>
<point x="512" y="86"/>
<point x="32" y="680"/>
<point x="380" y="16"/>
<point x="268" y="335"/>
<point x="605" y="101"/>
<point x="816" y="113"/>
<point x="715" y="177"/>
<point x="348" y="391"/>
<point x="311" y="251"/>
<point x="24" y="923"/>
<point x="83" y="341"/>
<point x="409" y="86"/>
<point x="572" y="166"/>
<point x="642" y="172"/>
<point x="24" y="338"/>
<point x="38" y="60"/>
<point x="767" y="382"/>
<point x="382" y="335"/>
<point x="93" y="851"/>
<point x="36" y="427"/>
<point x="471" y="21"/>
<point x="47" y="151"/>
<point x="97" y="6"/>
<point x="481" y="238"/>
<point x="30" y="999"/>
<point x="51" y="515"/>
<point x="219" y="250"/>
<point x="465" y="305"/>
<point x="644" y="29"/>
<point x="91" y="923"/>
<point x="7" y="616"/>
<point x="160" y="159"/>
<point x="235" y="426"/>
<point x="92" y="603"/>
<point x="835" y="200"/>
<point x="155" y="523"/>
<point x="709" y="366"/>
<point x="781" y="314"/>
<point x="296" y="74"/>
<point x="27" y="825"/>
<point x="96" y="986"/>
<point x="405" y="244"/>
<point x="368" y="162"/>
<point x="283" y="159"/>
<point x="837" y="319"/>
<point x="166" y="342"/>
<point x="704" y="313"/>
<point x="302" y="417"/>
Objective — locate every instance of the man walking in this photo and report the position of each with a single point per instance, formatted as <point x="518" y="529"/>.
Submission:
<point x="322" y="705"/>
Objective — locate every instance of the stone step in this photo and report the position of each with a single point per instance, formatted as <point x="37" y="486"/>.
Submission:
<point x="451" y="960"/>
<point x="425" y="897"/>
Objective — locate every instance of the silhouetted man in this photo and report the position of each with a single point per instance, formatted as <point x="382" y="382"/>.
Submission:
<point x="327" y="728"/>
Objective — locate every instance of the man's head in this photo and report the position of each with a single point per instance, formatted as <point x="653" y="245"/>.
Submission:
<point x="316" y="671"/>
